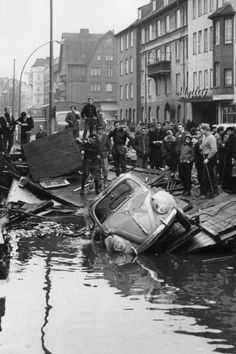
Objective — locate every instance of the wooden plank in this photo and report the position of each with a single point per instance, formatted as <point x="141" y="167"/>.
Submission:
<point x="53" y="156"/>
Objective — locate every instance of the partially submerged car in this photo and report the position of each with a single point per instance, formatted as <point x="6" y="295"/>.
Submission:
<point x="134" y="218"/>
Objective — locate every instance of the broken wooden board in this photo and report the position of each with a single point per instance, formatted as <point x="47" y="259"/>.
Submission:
<point x="53" y="156"/>
<point x="17" y="193"/>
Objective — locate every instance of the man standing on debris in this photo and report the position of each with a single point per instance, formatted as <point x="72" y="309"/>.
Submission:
<point x="8" y="123"/>
<point x="26" y="124"/>
<point x="209" y="151"/>
<point x="169" y="152"/>
<point x="186" y="164"/>
<point x="105" y="151"/>
<point x="229" y="162"/>
<point x="91" y="154"/>
<point x="119" y="147"/>
<point x="180" y="139"/>
<point x="89" y="113"/>
<point x="72" y="119"/>
<point x="141" y="145"/>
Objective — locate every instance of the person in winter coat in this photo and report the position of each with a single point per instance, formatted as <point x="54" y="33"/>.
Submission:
<point x="105" y="151"/>
<point x="169" y="152"/>
<point x="229" y="151"/>
<point x="91" y="154"/>
<point x="26" y="125"/>
<point x="89" y="113"/>
<point x="141" y="145"/>
<point x="8" y="124"/>
<point x="186" y="164"/>
<point x="72" y="119"/>
<point x="156" y="138"/>
<point x="198" y="159"/>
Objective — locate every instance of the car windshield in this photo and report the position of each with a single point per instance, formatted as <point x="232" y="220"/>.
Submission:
<point x="117" y="196"/>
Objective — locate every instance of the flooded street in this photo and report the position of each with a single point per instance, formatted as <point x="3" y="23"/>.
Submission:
<point x="64" y="295"/>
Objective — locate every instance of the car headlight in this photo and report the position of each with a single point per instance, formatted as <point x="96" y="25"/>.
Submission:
<point x="161" y="207"/>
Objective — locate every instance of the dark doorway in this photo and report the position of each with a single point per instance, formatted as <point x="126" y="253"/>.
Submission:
<point x="204" y="112"/>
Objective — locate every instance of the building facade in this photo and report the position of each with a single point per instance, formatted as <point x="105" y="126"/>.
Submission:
<point x="87" y="68"/>
<point x="127" y="54"/>
<point x="37" y="81"/>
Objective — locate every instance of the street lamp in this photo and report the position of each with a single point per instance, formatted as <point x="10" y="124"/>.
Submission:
<point x="23" y="68"/>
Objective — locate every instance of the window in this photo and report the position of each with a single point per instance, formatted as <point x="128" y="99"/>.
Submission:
<point x="127" y="41"/>
<point x="38" y="77"/>
<point x="177" y="83"/>
<point x="228" y="30"/>
<point x="167" y="85"/>
<point x="131" y="89"/>
<point x="126" y="66"/>
<point x="205" y="39"/>
<point x="211" y="38"/>
<point x="200" y="79"/>
<point x="109" y="71"/>
<point x="228" y="77"/>
<point x="194" y="43"/>
<point x="95" y="71"/>
<point x="109" y="57"/>
<point x="121" y="114"/>
<point x="143" y="35"/>
<point x="205" y="79"/>
<point x="167" y="24"/>
<point x="205" y="6"/>
<point x="121" y="92"/>
<point x="211" y="78"/>
<point x="126" y="91"/>
<point x="154" y="5"/>
<point x="158" y="28"/>
<point x="194" y="9"/>
<point x="212" y="5"/>
<point x="166" y="2"/>
<point x="121" y="68"/>
<point x="139" y="14"/>
<point x="167" y="52"/>
<point x="158" y="54"/>
<point x="38" y="88"/>
<point x="121" y="44"/>
<point x="95" y="87"/>
<point x="99" y="57"/>
<point x="199" y="42"/>
<point x="108" y="87"/>
<point x="194" y="80"/>
<point x="217" y="33"/>
<point x="177" y="50"/>
<point x="149" y="87"/>
<point x="217" y="74"/>
<point x="158" y="85"/>
<point x="150" y="32"/>
<point x="131" y="64"/>
<point x="199" y="8"/>
<point x="186" y="47"/>
<point x="177" y="19"/>
<point x="131" y="39"/>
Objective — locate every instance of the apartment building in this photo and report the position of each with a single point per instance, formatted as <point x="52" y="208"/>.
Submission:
<point x="210" y="87"/>
<point x="127" y="54"/>
<point x="37" y="82"/>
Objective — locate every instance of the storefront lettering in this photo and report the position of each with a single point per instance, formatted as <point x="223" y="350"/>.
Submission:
<point x="197" y="93"/>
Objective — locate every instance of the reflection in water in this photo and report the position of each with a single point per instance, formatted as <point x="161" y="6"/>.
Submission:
<point x="47" y="288"/>
<point x="2" y="311"/>
<point x="186" y="298"/>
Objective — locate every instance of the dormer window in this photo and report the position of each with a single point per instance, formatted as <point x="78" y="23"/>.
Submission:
<point x="166" y="2"/>
<point x="139" y="14"/>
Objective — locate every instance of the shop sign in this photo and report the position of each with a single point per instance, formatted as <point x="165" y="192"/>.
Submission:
<point x="194" y="94"/>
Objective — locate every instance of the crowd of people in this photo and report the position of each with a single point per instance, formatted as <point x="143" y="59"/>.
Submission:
<point x="211" y="151"/>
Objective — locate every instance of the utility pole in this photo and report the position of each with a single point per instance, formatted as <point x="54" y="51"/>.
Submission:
<point x="13" y="87"/>
<point x="51" y="98"/>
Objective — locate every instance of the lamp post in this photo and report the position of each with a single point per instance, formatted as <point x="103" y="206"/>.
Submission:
<point x="23" y="68"/>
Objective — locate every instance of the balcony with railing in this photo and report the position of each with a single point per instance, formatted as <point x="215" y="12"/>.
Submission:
<point x="159" y="66"/>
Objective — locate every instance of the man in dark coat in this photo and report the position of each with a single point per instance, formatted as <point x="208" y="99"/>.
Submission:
<point x="157" y="135"/>
<point x="91" y="154"/>
<point x="141" y="145"/>
<point x="229" y="161"/>
<point x="72" y="119"/>
<point x="105" y="151"/>
<point x="8" y="124"/>
<point x="26" y="124"/>
<point x="119" y="148"/>
<point x="89" y="113"/>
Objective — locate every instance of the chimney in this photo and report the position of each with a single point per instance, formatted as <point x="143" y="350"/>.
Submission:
<point x="84" y="31"/>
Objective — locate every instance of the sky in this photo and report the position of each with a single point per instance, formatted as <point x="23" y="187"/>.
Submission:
<point x="24" y="26"/>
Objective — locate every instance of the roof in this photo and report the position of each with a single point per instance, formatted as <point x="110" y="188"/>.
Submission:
<point x="133" y="24"/>
<point x="226" y="10"/>
<point x="40" y="62"/>
<point x="78" y="47"/>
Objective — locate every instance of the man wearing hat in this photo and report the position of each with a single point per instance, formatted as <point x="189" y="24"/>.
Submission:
<point x="156" y="134"/>
<point x="72" y="119"/>
<point x="8" y="124"/>
<point x="141" y="145"/>
<point x="105" y="151"/>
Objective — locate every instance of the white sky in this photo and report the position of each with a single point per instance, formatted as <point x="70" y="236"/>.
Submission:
<point x="24" y="25"/>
